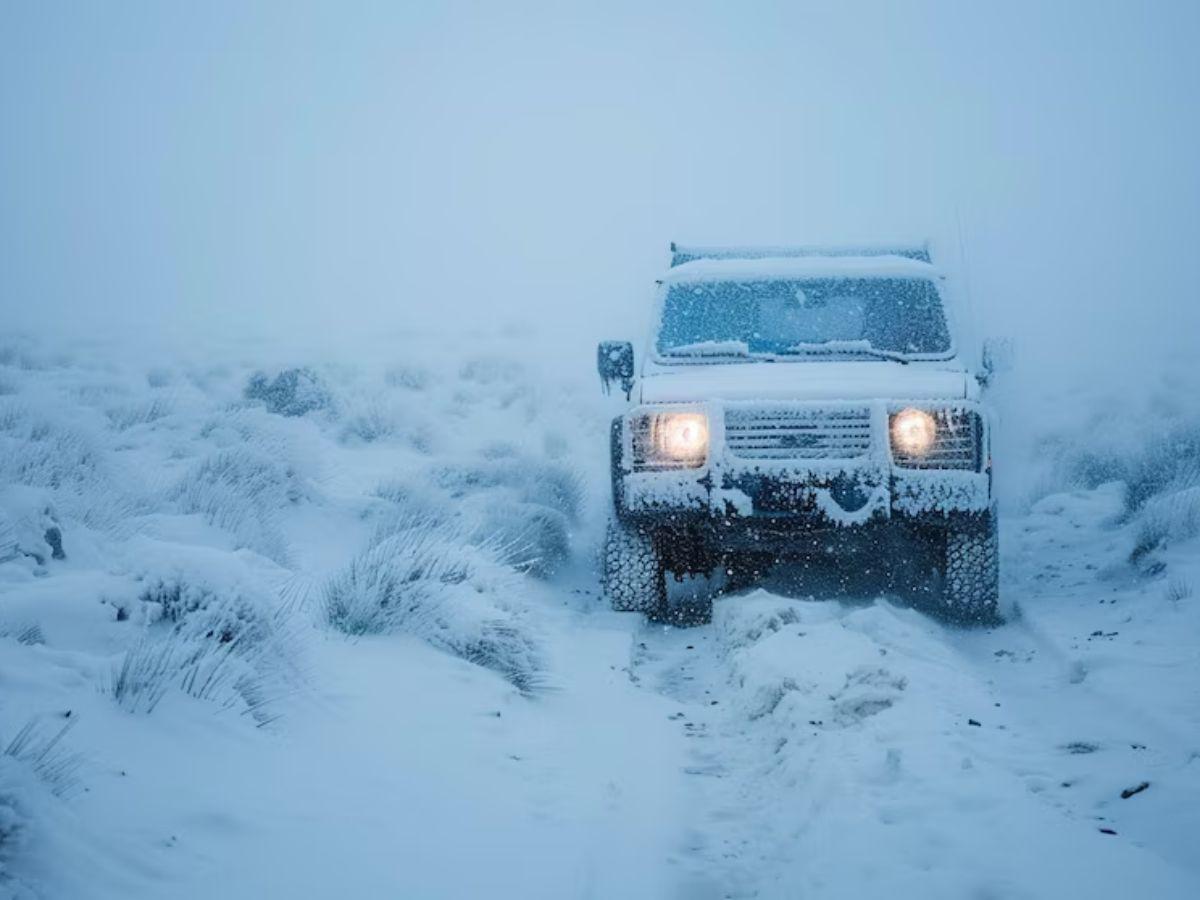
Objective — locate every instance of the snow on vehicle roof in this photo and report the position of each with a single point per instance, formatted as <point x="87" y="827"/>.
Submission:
<point x="773" y="268"/>
<point x="918" y="250"/>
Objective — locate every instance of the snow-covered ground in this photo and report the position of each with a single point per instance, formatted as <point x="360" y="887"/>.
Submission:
<point x="339" y="633"/>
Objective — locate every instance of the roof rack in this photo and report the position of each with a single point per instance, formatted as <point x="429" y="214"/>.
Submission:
<point x="681" y="254"/>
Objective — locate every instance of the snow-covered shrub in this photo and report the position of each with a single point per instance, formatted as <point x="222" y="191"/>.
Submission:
<point x="1169" y="463"/>
<point x="242" y="491"/>
<point x="549" y="484"/>
<point x="40" y="452"/>
<point x="20" y="353"/>
<point x="491" y="370"/>
<point x="159" y="377"/>
<point x="202" y="611"/>
<point x="523" y="506"/>
<point x="206" y="669"/>
<point x="142" y="412"/>
<point x="407" y="377"/>
<point x="1168" y="518"/>
<point x="210" y="630"/>
<point x="293" y="392"/>
<point x="368" y="424"/>
<point x="432" y="584"/>
<point x="64" y="461"/>
<point x="527" y="536"/>
<point x="377" y="419"/>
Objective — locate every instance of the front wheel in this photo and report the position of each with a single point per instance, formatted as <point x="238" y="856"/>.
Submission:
<point x="970" y="573"/>
<point x="634" y="574"/>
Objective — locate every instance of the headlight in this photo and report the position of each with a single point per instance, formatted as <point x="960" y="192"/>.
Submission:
<point x="937" y="439"/>
<point x="913" y="432"/>
<point x="676" y="440"/>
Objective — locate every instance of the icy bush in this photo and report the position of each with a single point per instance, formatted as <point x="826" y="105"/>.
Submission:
<point x="548" y="484"/>
<point x="524" y="506"/>
<point x="202" y="611"/>
<point x="428" y="582"/>
<point x="491" y="370"/>
<point x="1169" y="463"/>
<point x="143" y="412"/>
<point x="66" y="462"/>
<point x="407" y="377"/>
<point x="39" y="452"/>
<point x="224" y="673"/>
<point x="529" y="537"/>
<point x="293" y="392"/>
<point x="376" y="419"/>
<point x="1168" y="518"/>
<point x="369" y="424"/>
<point x="215" y="637"/>
<point x="242" y="491"/>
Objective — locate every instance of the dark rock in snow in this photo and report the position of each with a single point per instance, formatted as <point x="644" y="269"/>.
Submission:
<point x="53" y="537"/>
<point x="973" y="722"/>
<point x="1129" y="792"/>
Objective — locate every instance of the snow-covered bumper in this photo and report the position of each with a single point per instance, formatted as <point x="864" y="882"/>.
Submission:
<point x="799" y="464"/>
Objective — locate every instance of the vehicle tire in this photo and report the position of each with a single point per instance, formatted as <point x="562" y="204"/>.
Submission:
<point x="970" y="573"/>
<point x="634" y="575"/>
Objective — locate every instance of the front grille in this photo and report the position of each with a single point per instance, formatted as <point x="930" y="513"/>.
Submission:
<point x="798" y="433"/>
<point x="957" y="445"/>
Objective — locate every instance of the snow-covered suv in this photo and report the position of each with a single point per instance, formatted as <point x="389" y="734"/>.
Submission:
<point x="798" y="402"/>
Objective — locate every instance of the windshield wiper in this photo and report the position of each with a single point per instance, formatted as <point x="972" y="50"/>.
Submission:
<point x="861" y="348"/>
<point x="710" y="349"/>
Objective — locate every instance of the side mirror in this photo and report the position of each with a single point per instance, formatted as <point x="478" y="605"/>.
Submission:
<point x="999" y="354"/>
<point x="614" y="360"/>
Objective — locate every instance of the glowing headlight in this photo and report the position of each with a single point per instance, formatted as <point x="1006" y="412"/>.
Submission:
<point x="669" y="440"/>
<point x="682" y="436"/>
<point x="913" y="432"/>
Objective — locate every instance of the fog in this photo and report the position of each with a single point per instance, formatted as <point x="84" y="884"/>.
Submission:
<point x="338" y="170"/>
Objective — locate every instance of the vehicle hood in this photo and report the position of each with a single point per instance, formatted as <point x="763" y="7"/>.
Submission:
<point x="844" y="380"/>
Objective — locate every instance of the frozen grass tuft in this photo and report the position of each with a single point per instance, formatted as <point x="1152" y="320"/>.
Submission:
<point x="30" y="634"/>
<point x="143" y="412"/>
<point x="293" y="392"/>
<point x="233" y="667"/>
<point x="429" y="582"/>
<point x="204" y="669"/>
<point x="203" y="611"/>
<point x="549" y="484"/>
<point x="1160" y="468"/>
<point x="1179" y="589"/>
<point x="242" y="492"/>
<point x="529" y="537"/>
<point x="41" y="750"/>
<point x="41" y="452"/>
<point x="408" y="378"/>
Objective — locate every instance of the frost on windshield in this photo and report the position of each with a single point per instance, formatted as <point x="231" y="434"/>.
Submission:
<point x="846" y="316"/>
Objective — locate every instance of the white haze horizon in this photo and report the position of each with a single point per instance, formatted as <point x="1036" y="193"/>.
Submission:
<point x="314" y="175"/>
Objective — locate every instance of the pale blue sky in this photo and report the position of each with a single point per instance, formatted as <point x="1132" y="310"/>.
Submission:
<point x="207" y="165"/>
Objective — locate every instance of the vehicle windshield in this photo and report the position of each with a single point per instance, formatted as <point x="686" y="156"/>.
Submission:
<point x="855" y="318"/>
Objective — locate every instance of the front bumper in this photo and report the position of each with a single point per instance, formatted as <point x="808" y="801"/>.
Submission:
<point x="735" y="493"/>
